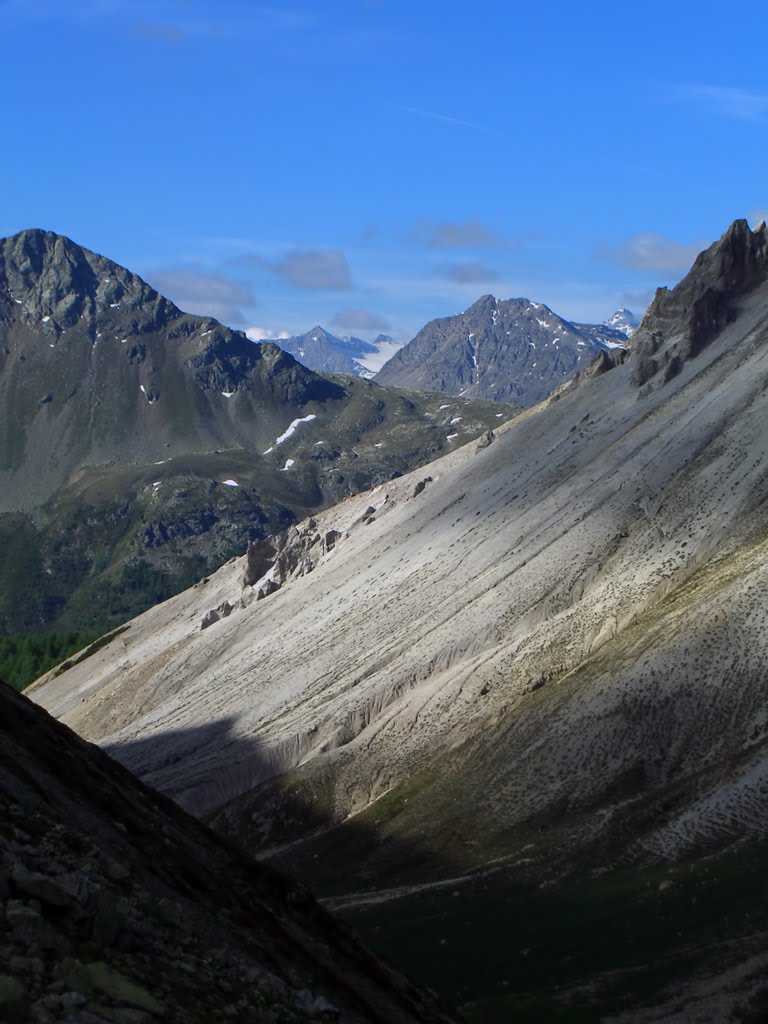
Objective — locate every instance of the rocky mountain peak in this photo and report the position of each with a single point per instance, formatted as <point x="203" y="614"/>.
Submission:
<point x="320" y="350"/>
<point x="680" y="322"/>
<point x="319" y="331"/>
<point x="514" y="350"/>
<point x="483" y="305"/>
<point x="735" y="263"/>
<point x="48" y="278"/>
<point x="623" y="320"/>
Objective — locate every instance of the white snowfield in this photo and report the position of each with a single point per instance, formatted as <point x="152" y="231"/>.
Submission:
<point x="289" y="431"/>
<point x="292" y="427"/>
<point x="581" y="602"/>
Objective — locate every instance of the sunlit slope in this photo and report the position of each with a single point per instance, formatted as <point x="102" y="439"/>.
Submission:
<point x="431" y="644"/>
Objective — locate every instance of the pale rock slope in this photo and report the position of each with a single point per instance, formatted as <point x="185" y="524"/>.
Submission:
<point x="555" y="644"/>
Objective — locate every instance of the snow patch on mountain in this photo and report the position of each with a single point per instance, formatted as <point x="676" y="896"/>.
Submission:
<point x="320" y="350"/>
<point x="623" y="320"/>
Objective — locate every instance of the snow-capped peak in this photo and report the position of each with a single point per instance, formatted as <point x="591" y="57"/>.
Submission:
<point x="623" y="320"/>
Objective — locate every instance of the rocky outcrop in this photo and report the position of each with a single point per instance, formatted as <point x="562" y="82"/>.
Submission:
<point x="681" y="322"/>
<point x="297" y="551"/>
<point x="118" y="908"/>
<point x="293" y="552"/>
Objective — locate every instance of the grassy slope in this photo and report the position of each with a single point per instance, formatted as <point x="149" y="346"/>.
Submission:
<point x="119" y="539"/>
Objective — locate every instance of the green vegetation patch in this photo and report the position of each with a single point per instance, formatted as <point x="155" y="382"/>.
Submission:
<point x="24" y="658"/>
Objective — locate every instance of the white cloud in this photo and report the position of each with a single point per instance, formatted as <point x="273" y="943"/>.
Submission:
<point x="266" y="333"/>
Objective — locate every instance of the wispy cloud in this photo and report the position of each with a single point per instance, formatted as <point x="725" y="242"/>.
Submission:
<point x="453" y="234"/>
<point x="197" y="290"/>
<point x="434" y="115"/>
<point x="473" y="272"/>
<point x="652" y="252"/>
<point x="360" y="320"/>
<point x="728" y="101"/>
<point x="311" y="268"/>
<point x="169" y="20"/>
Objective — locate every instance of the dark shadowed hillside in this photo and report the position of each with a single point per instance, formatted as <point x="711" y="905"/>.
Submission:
<point x="117" y="907"/>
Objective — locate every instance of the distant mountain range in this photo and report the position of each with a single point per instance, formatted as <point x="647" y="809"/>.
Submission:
<point x="511" y="350"/>
<point x="320" y="350"/>
<point x="141" y="446"/>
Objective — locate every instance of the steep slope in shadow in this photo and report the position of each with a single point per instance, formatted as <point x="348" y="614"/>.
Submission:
<point x="124" y="901"/>
<point x="589" y="945"/>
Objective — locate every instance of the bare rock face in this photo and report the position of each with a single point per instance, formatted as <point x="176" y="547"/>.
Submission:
<point x="115" y="906"/>
<point x="681" y="322"/>
<point x="260" y="557"/>
<point x="506" y="350"/>
<point x="294" y="552"/>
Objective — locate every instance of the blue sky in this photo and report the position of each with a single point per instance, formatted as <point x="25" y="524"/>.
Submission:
<point x="371" y="164"/>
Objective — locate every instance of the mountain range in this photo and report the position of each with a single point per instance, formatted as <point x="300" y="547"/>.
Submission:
<point x="511" y="350"/>
<point x="320" y="350"/>
<point x="494" y="350"/>
<point x="507" y="713"/>
<point x="140" y="446"/>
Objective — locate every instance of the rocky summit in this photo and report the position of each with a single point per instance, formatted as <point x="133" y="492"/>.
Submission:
<point x="623" y="320"/>
<point x="140" y="447"/>
<point x="118" y="908"/>
<point x="511" y="350"/>
<point x="97" y="368"/>
<point x="517" y="696"/>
